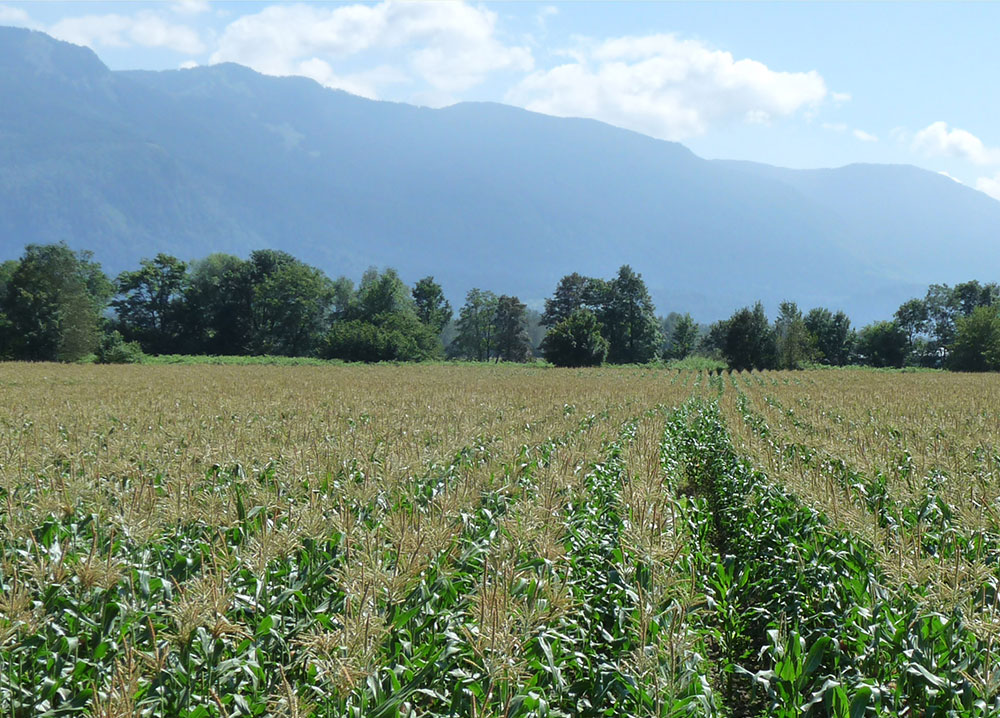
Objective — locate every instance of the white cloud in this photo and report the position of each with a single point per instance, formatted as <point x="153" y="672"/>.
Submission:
<point x="190" y="7"/>
<point x="666" y="87"/>
<point x="937" y="139"/>
<point x="950" y="176"/>
<point x="989" y="185"/>
<point x="834" y="126"/>
<point x="146" y="29"/>
<point x="840" y="97"/>
<point x="15" y="16"/>
<point x="864" y="136"/>
<point x="188" y="65"/>
<point x="365" y="83"/>
<point x="452" y="46"/>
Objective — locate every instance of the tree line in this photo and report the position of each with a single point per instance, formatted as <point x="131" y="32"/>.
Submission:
<point x="57" y="304"/>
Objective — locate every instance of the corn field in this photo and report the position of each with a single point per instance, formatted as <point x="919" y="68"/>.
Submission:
<point x="220" y="541"/>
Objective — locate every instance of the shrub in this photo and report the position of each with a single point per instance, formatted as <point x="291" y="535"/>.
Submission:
<point x="576" y="341"/>
<point x="113" y="349"/>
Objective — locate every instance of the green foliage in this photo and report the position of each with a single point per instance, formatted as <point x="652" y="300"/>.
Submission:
<point x="381" y="295"/>
<point x="113" y="349"/>
<point x="942" y="307"/>
<point x="6" y="328"/>
<point x="977" y="341"/>
<point x="511" y="330"/>
<point x="713" y="343"/>
<point x="748" y="341"/>
<point x="150" y="307"/>
<point x="53" y="304"/>
<point x="289" y="305"/>
<point x="218" y="306"/>
<point x="576" y="341"/>
<point x="573" y="292"/>
<point x="683" y="337"/>
<point x="628" y="319"/>
<point x="695" y="362"/>
<point x="271" y="303"/>
<point x="795" y="345"/>
<point x="431" y="306"/>
<point x="913" y="317"/>
<point x="882" y="344"/>
<point x="476" y="329"/>
<point x="388" y="337"/>
<point x="832" y="336"/>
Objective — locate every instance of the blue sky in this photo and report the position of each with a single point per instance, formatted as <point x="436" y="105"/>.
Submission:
<point x="792" y="84"/>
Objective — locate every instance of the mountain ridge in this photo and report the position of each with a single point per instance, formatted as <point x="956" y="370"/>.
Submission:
<point x="221" y="158"/>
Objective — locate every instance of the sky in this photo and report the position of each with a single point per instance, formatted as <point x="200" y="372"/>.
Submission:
<point x="807" y="84"/>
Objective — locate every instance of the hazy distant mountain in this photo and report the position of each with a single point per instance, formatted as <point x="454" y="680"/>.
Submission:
<point x="223" y="159"/>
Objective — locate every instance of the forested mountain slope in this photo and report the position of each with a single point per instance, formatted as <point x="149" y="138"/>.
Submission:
<point x="221" y="158"/>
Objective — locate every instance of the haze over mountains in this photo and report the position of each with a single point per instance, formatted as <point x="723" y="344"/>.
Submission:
<point x="221" y="158"/>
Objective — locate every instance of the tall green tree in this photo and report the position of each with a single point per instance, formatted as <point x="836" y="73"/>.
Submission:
<point x="511" y="330"/>
<point x="217" y="311"/>
<point x="382" y="294"/>
<point x="343" y="305"/>
<point x="475" y="336"/>
<point x="54" y="302"/>
<point x="970" y="296"/>
<point x="795" y="344"/>
<point x="977" y="341"/>
<point x="431" y="306"/>
<point x="289" y="306"/>
<point x="629" y="319"/>
<point x="912" y="317"/>
<point x="749" y="341"/>
<point x="713" y="344"/>
<point x="683" y="338"/>
<point x="573" y="292"/>
<point x="6" y="330"/>
<point x="831" y="334"/>
<point x="150" y="304"/>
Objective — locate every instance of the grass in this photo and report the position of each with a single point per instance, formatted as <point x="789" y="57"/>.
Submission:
<point x="189" y="539"/>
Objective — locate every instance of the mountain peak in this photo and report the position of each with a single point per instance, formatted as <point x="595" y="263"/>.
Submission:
<point x="29" y="55"/>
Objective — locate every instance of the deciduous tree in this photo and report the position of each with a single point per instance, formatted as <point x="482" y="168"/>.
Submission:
<point x="977" y="341"/>
<point x="150" y="304"/>
<point x="475" y="330"/>
<point x="54" y="302"/>
<point x="511" y="330"/>
<point x="749" y="341"/>
<point x="576" y="341"/>
<point x="431" y="306"/>
<point x="629" y="320"/>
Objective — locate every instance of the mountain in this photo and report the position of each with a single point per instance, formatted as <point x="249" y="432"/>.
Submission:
<point x="221" y="158"/>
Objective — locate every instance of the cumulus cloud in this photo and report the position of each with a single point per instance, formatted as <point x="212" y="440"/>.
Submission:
<point x="989" y="185"/>
<point x="146" y="29"/>
<point x="938" y="139"/>
<point x="451" y="46"/>
<point x="666" y="87"/>
<point x="864" y="136"/>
